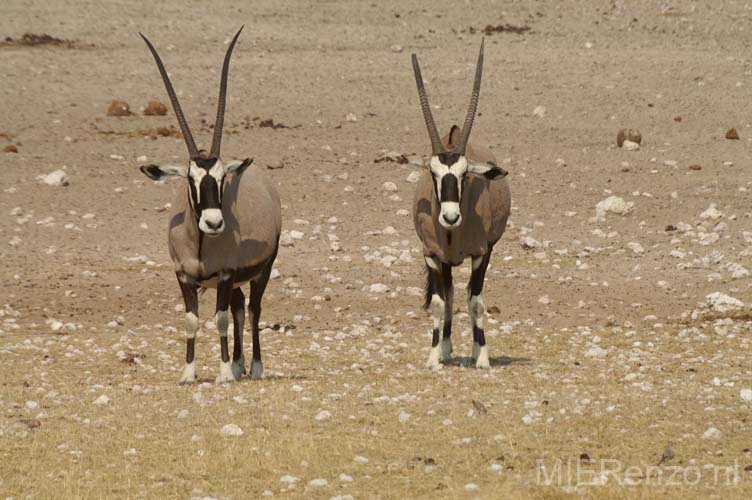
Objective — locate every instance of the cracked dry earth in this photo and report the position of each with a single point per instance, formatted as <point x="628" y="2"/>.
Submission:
<point x="619" y="324"/>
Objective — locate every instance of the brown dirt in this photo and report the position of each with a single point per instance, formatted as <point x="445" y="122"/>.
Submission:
<point x="592" y="355"/>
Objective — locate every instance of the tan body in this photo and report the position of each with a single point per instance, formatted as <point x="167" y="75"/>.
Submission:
<point x="485" y="206"/>
<point x="252" y="214"/>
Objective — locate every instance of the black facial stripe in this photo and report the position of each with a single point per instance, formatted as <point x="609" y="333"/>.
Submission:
<point x="209" y="193"/>
<point x="449" y="188"/>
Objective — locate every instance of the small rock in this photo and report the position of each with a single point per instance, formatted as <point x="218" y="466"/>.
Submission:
<point x="413" y="176"/>
<point x="628" y="134"/>
<point x="319" y="482"/>
<point x="630" y="146"/>
<point x="529" y="243"/>
<point x="596" y="352"/>
<point x="711" y="213"/>
<point x="378" y="288"/>
<point x="404" y="416"/>
<point x="323" y="415"/>
<point x="746" y="395"/>
<point x="56" y="178"/>
<point x="711" y="433"/>
<point x="287" y="479"/>
<point x="360" y="459"/>
<point x="397" y="49"/>
<point x="102" y="400"/>
<point x="613" y="204"/>
<point x="720" y="302"/>
<point x="155" y="108"/>
<point x="539" y="111"/>
<point x="350" y="117"/>
<point x="732" y="134"/>
<point x="231" y="430"/>
<point x="389" y="186"/>
<point x="118" y="108"/>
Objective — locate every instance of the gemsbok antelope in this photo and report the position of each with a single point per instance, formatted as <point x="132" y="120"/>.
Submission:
<point x="460" y="210"/>
<point x="223" y="232"/>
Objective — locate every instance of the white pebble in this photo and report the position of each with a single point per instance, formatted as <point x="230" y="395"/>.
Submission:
<point x="746" y="395"/>
<point x="231" y="430"/>
<point x="102" y="400"/>
<point x="323" y="415"/>
<point x="711" y="433"/>
<point x="319" y="482"/>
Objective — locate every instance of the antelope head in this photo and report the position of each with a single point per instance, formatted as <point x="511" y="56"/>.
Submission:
<point x="205" y="172"/>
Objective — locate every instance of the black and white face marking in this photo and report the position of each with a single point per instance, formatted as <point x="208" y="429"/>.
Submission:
<point x="205" y="180"/>
<point x="206" y="177"/>
<point x="448" y="171"/>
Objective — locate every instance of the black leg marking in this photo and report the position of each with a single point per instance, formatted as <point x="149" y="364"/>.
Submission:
<point x="258" y="286"/>
<point x="446" y="276"/>
<point x="474" y="289"/>
<point x="224" y="294"/>
<point x="190" y="297"/>
<point x="237" y="304"/>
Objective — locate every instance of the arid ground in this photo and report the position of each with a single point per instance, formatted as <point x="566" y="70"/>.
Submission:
<point x="609" y="360"/>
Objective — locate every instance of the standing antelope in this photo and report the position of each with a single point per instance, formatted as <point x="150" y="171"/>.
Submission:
<point x="460" y="210"/>
<point x="224" y="232"/>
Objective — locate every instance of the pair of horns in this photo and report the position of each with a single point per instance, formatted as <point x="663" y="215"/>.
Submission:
<point x="433" y="133"/>
<point x="219" y="123"/>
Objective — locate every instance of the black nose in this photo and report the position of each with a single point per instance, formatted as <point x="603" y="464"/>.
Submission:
<point x="215" y="225"/>
<point x="451" y="218"/>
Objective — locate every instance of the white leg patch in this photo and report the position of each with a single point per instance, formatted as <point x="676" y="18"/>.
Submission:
<point x="477" y="310"/>
<point x="476" y="350"/>
<point x="189" y="374"/>
<point x="430" y="262"/>
<point x="476" y="262"/>
<point x="434" y="358"/>
<point x="446" y="349"/>
<point x="191" y="325"/>
<point x="225" y="373"/>
<point x="257" y="369"/>
<point x="437" y="309"/>
<point x="482" y="359"/>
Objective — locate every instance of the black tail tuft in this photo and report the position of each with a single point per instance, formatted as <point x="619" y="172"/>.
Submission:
<point x="428" y="289"/>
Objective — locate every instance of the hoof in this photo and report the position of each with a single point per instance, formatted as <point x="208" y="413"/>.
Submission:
<point x="482" y="359"/>
<point x="257" y="369"/>
<point x="189" y="374"/>
<point x="238" y="368"/>
<point x="225" y="373"/>
<point x="433" y="359"/>
<point x="446" y="350"/>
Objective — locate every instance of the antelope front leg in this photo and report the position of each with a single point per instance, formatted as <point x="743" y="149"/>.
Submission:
<point x="435" y="289"/>
<point x="224" y="294"/>
<point x="190" y="297"/>
<point x="477" y="310"/>
<point x="237" y="306"/>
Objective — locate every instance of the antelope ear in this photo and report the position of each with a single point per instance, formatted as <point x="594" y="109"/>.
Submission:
<point x="156" y="172"/>
<point x="238" y="166"/>
<point x="489" y="170"/>
<point x="454" y="136"/>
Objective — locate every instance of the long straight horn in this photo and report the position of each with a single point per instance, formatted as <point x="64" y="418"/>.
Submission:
<point x="192" y="150"/>
<point x="220" y="121"/>
<point x="433" y="133"/>
<point x="462" y="144"/>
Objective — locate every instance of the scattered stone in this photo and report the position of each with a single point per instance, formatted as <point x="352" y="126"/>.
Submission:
<point x="711" y="433"/>
<point x="231" y="430"/>
<point x="413" y="176"/>
<point x="613" y="204"/>
<point x="289" y="480"/>
<point x="746" y="395"/>
<point x="404" y="416"/>
<point x="102" y="400"/>
<point x="56" y="178"/>
<point x="360" y="459"/>
<point x="539" y="111"/>
<point x="318" y="482"/>
<point x="118" y="108"/>
<point x="635" y="247"/>
<point x="397" y="49"/>
<point x="529" y="243"/>
<point x="389" y="186"/>
<point x="711" y="213"/>
<point x="630" y="146"/>
<point x="596" y="352"/>
<point x="155" y="108"/>
<point x="628" y="134"/>
<point x="323" y="415"/>
<point x="350" y="117"/>
<point x="378" y="288"/>
<point x="732" y="134"/>
<point x="720" y="302"/>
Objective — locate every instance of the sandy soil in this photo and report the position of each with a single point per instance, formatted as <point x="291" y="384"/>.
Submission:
<point x="597" y="358"/>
